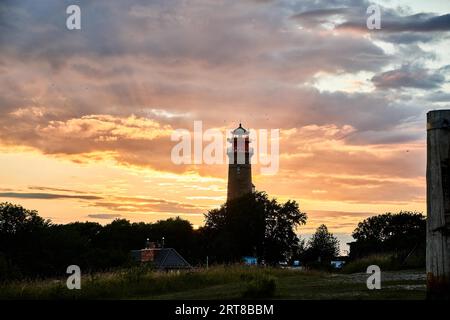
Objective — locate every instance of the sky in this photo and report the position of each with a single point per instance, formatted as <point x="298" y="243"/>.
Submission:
<point x="86" y="116"/>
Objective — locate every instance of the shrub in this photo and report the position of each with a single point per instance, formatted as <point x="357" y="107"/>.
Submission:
<point x="384" y="261"/>
<point x="260" y="287"/>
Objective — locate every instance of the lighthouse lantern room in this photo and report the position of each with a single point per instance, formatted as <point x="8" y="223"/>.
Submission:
<point x="239" y="167"/>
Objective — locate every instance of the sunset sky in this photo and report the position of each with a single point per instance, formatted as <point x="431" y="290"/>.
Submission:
<point x="86" y="115"/>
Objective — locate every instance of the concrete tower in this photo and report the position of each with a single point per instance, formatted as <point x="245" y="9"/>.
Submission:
<point x="239" y="168"/>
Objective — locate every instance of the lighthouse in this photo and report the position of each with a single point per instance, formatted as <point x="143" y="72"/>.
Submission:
<point x="239" y="167"/>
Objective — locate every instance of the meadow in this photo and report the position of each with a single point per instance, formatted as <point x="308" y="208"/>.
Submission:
<point x="223" y="282"/>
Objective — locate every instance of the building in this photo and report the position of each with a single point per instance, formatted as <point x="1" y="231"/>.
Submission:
<point x="239" y="168"/>
<point x="160" y="258"/>
<point x="250" y="261"/>
<point x="337" y="264"/>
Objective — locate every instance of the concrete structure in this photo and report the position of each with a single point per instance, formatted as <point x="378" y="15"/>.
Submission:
<point x="239" y="168"/>
<point x="438" y="203"/>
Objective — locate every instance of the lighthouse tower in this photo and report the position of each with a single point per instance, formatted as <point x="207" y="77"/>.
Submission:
<point x="239" y="168"/>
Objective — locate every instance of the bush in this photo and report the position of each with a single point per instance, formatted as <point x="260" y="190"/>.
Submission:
<point x="385" y="262"/>
<point x="260" y="287"/>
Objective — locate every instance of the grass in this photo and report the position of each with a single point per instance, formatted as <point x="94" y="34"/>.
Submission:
<point x="221" y="282"/>
<point x="260" y="287"/>
<point x="385" y="262"/>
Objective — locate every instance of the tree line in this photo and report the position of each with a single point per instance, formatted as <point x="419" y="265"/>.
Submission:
<point x="253" y="225"/>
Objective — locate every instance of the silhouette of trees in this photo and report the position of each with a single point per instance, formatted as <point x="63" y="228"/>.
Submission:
<point x="15" y="220"/>
<point x="31" y="246"/>
<point x="253" y="225"/>
<point x="394" y="233"/>
<point x="322" y="247"/>
<point x="21" y="234"/>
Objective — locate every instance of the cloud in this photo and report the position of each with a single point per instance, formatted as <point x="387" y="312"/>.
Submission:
<point x="106" y="128"/>
<point x="141" y="204"/>
<point x="320" y="214"/>
<point x="422" y="22"/>
<point x="439" y="96"/>
<point x="105" y="216"/>
<point x="339" y="221"/>
<point x="409" y="76"/>
<point x="129" y="204"/>
<point x="46" y="196"/>
<point x="55" y="189"/>
<point x="407" y="38"/>
<point x="318" y="18"/>
<point x="395" y="26"/>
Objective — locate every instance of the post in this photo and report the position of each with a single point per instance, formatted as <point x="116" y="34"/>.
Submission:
<point x="438" y="204"/>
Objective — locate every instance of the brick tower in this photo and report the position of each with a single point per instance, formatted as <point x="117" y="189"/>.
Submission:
<point x="239" y="168"/>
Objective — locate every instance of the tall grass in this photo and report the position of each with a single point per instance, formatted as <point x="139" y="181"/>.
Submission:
<point x="261" y="286"/>
<point x="141" y="282"/>
<point x="385" y="262"/>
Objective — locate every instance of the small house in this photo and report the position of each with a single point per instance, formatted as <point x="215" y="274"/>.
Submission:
<point x="161" y="258"/>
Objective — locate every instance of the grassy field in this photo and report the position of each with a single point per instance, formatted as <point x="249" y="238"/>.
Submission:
<point x="235" y="282"/>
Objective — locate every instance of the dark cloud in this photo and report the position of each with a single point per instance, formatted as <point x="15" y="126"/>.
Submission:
<point x="313" y="18"/>
<point x="439" y="96"/>
<point x="321" y="13"/>
<point x="422" y="22"/>
<point x="45" y="196"/>
<point x="395" y="26"/>
<point x="116" y="30"/>
<point x="409" y="76"/>
<point x="111" y="202"/>
<point x="419" y="23"/>
<point x="405" y="37"/>
<point x="55" y="189"/>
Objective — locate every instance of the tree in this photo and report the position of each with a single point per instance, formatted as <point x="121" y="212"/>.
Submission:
<point x="15" y="219"/>
<point x="21" y="238"/>
<point x="389" y="232"/>
<point x="253" y="225"/>
<point x="178" y="233"/>
<point x="323" y="246"/>
<point x="31" y="246"/>
<point x="281" y="241"/>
